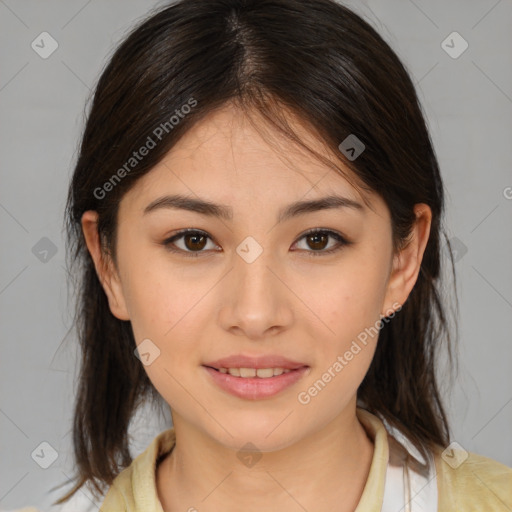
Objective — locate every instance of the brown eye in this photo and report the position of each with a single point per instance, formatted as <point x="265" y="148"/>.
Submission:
<point x="194" y="242"/>
<point x="318" y="240"/>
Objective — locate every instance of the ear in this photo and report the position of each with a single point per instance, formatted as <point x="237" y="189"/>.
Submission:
<point x="105" y="268"/>
<point x="407" y="262"/>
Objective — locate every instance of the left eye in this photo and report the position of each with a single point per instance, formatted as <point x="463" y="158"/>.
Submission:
<point x="317" y="240"/>
<point x="195" y="241"/>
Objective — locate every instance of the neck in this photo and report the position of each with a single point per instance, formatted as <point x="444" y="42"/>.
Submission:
<point x="326" y="470"/>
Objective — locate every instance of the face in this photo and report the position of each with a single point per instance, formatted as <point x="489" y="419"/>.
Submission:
<point x="253" y="285"/>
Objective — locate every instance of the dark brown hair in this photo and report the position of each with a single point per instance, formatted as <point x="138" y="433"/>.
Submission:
<point x="326" y="66"/>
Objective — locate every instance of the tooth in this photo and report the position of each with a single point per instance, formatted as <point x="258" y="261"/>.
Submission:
<point x="247" y="372"/>
<point x="264" y="373"/>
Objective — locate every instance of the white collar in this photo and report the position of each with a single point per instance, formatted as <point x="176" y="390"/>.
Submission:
<point x="411" y="484"/>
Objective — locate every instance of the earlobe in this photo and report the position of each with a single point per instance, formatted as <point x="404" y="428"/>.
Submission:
<point x="407" y="262"/>
<point x="105" y="270"/>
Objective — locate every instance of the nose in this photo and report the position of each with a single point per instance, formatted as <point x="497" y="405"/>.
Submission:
<point x="256" y="301"/>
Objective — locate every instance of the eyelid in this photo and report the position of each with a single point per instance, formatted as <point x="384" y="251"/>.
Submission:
<point x="340" y="238"/>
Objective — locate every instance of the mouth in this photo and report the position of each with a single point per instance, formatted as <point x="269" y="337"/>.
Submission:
<point x="259" y="373"/>
<point x="255" y="383"/>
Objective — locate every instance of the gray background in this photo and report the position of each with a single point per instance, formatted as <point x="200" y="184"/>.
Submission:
<point x="468" y="103"/>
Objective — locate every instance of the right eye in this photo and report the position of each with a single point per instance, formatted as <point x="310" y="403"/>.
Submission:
<point x="193" y="239"/>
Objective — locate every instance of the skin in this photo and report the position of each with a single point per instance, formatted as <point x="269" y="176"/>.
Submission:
<point x="315" y="456"/>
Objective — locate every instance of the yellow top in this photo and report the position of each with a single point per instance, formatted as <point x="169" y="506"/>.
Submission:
<point x="465" y="481"/>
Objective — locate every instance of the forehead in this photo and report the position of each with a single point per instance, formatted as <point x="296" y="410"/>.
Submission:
<point x="229" y="139"/>
<point x="226" y="157"/>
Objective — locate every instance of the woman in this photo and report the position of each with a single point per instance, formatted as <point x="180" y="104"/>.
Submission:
<point x="257" y="212"/>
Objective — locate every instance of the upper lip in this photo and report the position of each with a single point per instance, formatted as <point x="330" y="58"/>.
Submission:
<point x="256" y="362"/>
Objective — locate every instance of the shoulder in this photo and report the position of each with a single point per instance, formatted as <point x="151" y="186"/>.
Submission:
<point x="134" y="487"/>
<point x="468" y="481"/>
<point x="113" y="499"/>
<point x="119" y="497"/>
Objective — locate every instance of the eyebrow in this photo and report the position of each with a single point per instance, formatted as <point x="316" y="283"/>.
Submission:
<point x="204" y="207"/>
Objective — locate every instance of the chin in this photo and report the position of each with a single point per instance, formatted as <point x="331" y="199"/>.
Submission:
<point x="264" y="435"/>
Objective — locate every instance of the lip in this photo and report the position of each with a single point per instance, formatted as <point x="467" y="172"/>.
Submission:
<point x="256" y="362"/>
<point x="256" y="388"/>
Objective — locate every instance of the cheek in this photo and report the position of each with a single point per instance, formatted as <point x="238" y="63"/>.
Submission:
<point x="164" y="309"/>
<point x="350" y="299"/>
<point x="349" y="306"/>
<point x="161" y="298"/>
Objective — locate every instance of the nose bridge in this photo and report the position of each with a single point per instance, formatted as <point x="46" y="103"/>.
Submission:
<point x="252" y="275"/>
<point x="256" y="300"/>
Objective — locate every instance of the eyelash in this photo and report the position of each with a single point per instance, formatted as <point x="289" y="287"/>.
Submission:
<point x="342" y="242"/>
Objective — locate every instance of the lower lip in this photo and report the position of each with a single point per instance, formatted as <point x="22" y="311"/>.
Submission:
<point x="255" y="388"/>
